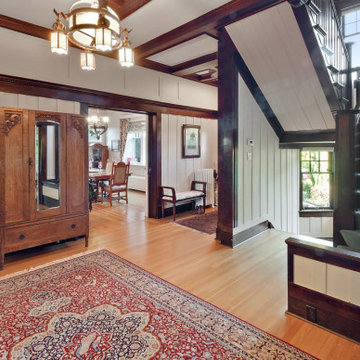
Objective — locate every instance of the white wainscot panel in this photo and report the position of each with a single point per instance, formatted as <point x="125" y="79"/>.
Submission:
<point x="310" y="273"/>
<point x="315" y="226"/>
<point x="305" y="225"/>
<point x="343" y="284"/>
<point x="8" y="100"/>
<point x="70" y="107"/>
<point x="47" y="104"/>
<point x="28" y="102"/>
<point x="140" y="83"/>
<point x="169" y="88"/>
<point x="327" y="226"/>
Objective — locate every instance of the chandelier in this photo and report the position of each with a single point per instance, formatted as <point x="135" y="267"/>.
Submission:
<point x="94" y="27"/>
<point x="98" y="125"/>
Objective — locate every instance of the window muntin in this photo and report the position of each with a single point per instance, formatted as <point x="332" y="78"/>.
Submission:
<point x="316" y="178"/>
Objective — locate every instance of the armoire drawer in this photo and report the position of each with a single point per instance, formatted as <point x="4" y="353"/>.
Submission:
<point x="24" y="237"/>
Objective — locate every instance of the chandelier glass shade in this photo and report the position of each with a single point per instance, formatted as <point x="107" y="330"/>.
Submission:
<point x="92" y="26"/>
<point x="98" y="125"/>
<point x="87" y="61"/>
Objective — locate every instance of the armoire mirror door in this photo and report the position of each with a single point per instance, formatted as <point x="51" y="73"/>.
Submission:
<point x="46" y="133"/>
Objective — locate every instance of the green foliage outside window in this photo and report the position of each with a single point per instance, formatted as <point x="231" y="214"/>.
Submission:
<point x="316" y="179"/>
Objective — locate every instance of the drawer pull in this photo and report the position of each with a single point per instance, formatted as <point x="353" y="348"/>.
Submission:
<point x="22" y="237"/>
<point x="73" y="226"/>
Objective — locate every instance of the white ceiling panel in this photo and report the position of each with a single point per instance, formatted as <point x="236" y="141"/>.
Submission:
<point x="160" y="16"/>
<point x="189" y="50"/>
<point x="155" y="18"/>
<point x="272" y="46"/>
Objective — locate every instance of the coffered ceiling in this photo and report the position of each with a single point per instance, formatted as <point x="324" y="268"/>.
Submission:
<point x="174" y="36"/>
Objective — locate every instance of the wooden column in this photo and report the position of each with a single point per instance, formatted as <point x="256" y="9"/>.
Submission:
<point x="154" y="174"/>
<point x="228" y="98"/>
<point x="345" y="181"/>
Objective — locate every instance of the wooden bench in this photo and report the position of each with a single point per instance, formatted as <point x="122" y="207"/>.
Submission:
<point x="169" y="195"/>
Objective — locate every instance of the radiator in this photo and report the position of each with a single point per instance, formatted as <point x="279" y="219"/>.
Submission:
<point x="207" y="175"/>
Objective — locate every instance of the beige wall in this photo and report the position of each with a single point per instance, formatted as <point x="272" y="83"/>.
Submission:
<point x="268" y="178"/>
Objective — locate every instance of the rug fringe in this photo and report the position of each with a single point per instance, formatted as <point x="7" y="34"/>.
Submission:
<point x="54" y="262"/>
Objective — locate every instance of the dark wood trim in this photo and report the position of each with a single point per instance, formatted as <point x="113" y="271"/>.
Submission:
<point x="316" y="213"/>
<point x="335" y="256"/>
<point x="126" y="8"/>
<point x="316" y="56"/>
<point x="194" y="62"/>
<point x="84" y="109"/>
<point x="345" y="181"/>
<point x="96" y="98"/>
<point x="259" y="96"/>
<point x="331" y="313"/>
<point x="250" y="232"/>
<point x="25" y="27"/>
<point x="215" y="19"/>
<point x="300" y="146"/>
<point x="153" y="65"/>
<point x="227" y="140"/>
<point x="154" y="165"/>
<point x="306" y="137"/>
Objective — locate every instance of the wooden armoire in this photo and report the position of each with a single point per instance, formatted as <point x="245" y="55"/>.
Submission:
<point x="43" y="178"/>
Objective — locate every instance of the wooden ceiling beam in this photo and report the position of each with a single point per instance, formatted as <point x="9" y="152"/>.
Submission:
<point x="217" y="18"/>
<point x="24" y="27"/>
<point x="124" y="8"/>
<point x="194" y="62"/>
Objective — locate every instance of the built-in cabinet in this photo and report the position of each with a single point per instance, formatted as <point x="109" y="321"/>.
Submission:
<point x="43" y="178"/>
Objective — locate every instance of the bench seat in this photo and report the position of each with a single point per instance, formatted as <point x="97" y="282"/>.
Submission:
<point x="169" y="195"/>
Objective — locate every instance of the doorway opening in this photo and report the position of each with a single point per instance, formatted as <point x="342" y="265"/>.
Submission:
<point x="119" y="137"/>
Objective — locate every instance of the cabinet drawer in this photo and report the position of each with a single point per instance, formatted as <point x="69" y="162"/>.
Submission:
<point x="33" y="235"/>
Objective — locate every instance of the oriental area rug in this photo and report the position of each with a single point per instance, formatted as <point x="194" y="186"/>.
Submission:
<point x="99" y="306"/>
<point x="204" y="222"/>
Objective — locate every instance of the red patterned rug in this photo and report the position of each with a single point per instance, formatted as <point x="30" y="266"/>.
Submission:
<point x="206" y="223"/>
<point x="99" y="306"/>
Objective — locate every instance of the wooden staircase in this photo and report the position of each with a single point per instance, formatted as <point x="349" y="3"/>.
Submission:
<point x="321" y="29"/>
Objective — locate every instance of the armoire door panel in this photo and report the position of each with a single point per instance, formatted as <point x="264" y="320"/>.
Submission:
<point x="14" y="166"/>
<point x="77" y="164"/>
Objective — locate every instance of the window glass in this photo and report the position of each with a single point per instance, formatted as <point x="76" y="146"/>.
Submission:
<point x="316" y="179"/>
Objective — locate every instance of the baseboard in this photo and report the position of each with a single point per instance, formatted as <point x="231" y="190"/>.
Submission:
<point x="233" y="240"/>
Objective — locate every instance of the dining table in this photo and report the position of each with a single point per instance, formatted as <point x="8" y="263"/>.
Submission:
<point x="97" y="176"/>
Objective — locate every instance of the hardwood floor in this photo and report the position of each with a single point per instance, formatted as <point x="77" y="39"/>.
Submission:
<point x="248" y="281"/>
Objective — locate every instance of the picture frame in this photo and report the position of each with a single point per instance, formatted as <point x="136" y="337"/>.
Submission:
<point x="115" y="145"/>
<point x="191" y="141"/>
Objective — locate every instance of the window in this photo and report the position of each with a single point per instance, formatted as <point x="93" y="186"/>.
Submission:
<point x="316" y="172"/>
<point x="135" y="148"/>
<point x="351" y="29"/>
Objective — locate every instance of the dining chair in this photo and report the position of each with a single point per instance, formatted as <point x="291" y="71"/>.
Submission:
<point x="118" y="182"/>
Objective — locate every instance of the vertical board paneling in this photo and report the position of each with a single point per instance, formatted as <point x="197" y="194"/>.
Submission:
<point x="176" y="171"/>
<point x="268" y="183"/>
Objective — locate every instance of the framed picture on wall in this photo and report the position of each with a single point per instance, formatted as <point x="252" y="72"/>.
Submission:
<point x="115" y="145"/>
<point x="190" y="141"/>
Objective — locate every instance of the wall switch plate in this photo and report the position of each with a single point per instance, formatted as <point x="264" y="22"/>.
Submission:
<point x="311" y="313"/>
<point x="249" y="155"/>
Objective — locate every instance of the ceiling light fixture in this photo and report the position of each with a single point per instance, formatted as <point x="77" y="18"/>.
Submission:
<point x="93" y="26"/>
<point x="98" y="125"/>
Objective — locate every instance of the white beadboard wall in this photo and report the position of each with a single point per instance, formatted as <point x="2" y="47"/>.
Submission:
<point x="178" y="172"/>
<point x="269" y="181"/>
<point x="30" y="57"/>
<point x="38" y="103"/>
<point x="319" y="227"/>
